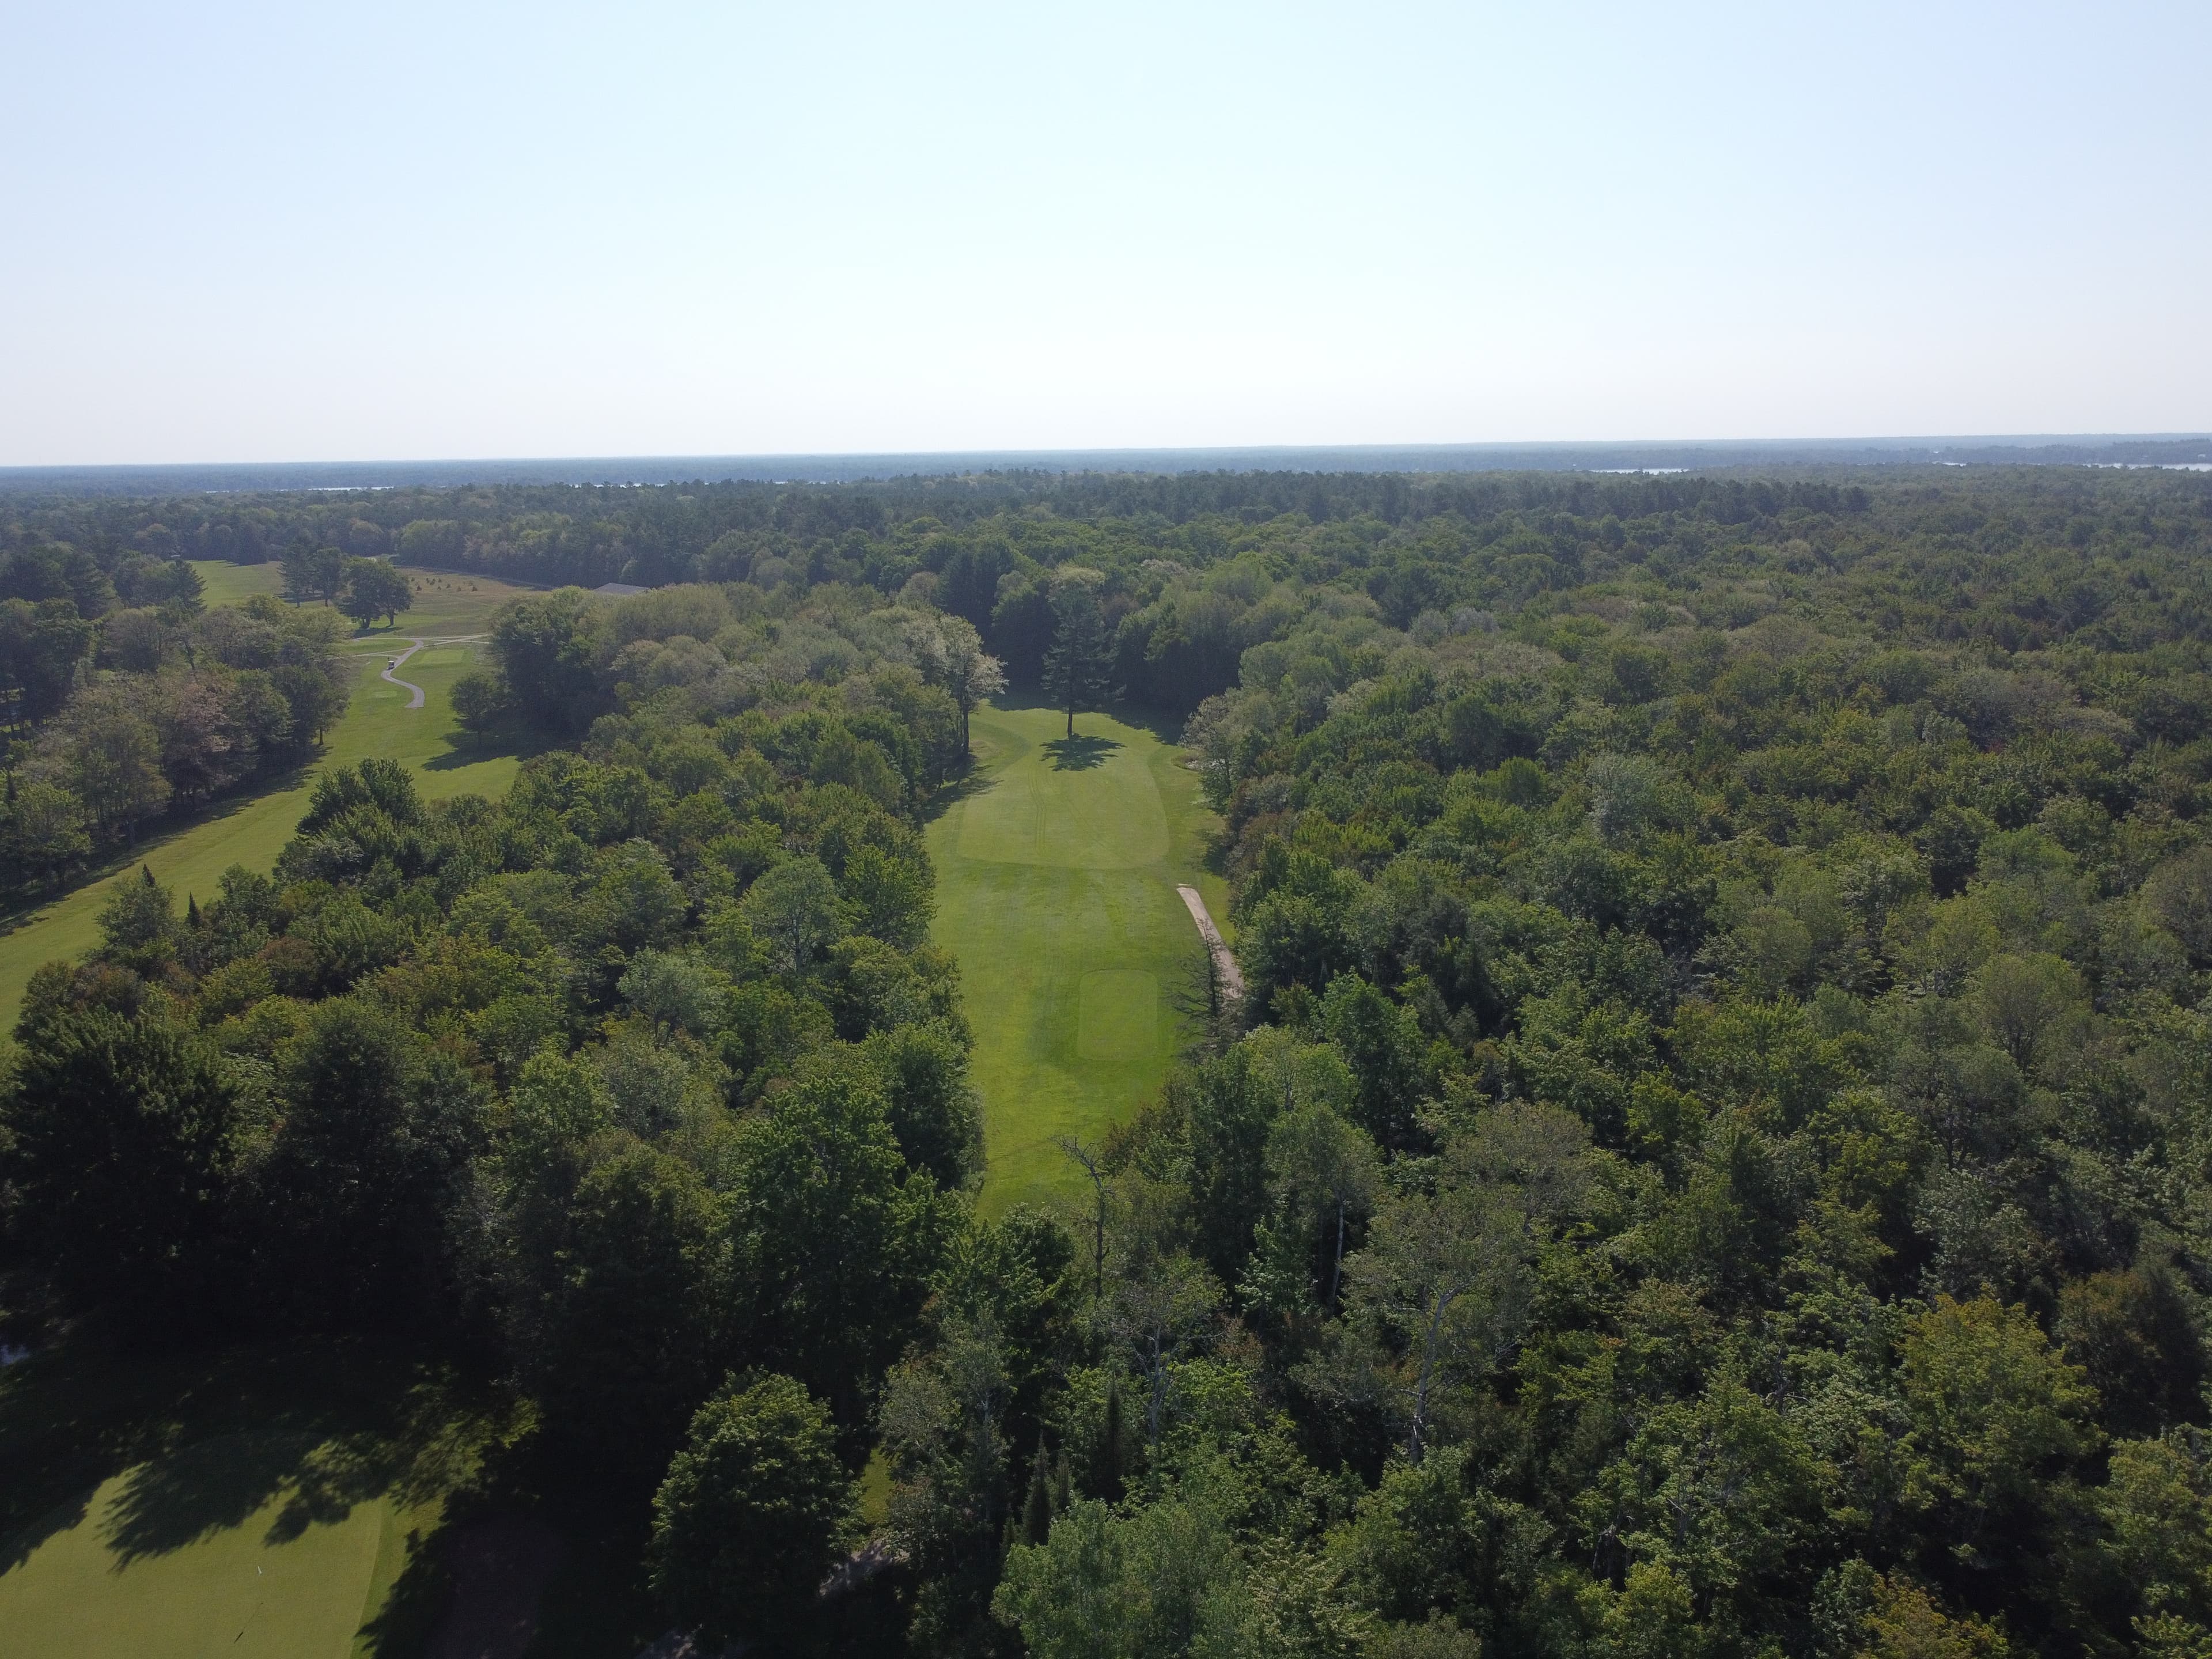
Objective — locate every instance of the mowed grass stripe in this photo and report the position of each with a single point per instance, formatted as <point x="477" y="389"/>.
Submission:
<point x="1056" y="877"/>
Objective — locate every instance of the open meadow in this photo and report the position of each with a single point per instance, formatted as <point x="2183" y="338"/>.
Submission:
<point x="1056" y="871"/>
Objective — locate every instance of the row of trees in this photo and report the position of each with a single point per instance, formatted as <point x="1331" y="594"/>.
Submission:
<point x="565" y="659"/>
<point x="124" y="698"/>
<point x="643" y="1087"/>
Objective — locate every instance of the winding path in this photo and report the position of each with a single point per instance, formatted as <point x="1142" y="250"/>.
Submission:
<point x="1232" y="980"/>
<point x="416" y="701"/>
<point x="414" y="644"/>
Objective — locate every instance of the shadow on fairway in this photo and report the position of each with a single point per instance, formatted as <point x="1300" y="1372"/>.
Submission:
<point x="180" y="1499"/>
<point x="972" y="780"/>
<point x="1079" y="753"/>
<point x="465" y="750"/>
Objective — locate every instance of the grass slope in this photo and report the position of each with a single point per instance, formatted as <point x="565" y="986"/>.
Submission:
<point x="252" y="829"/>
<point x="1057" y="875"/>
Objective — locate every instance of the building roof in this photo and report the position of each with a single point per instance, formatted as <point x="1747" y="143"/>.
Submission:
<point x="618" y="590"/>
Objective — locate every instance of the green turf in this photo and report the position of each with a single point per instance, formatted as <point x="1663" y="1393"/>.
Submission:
<point x="263" y="1585"/>
<point x="252" y="829"/>
<point x="222" y="582"/>
<point x="445" y="602"/>
<point x="264" y="1499"/>
<point x="1056" y="876"/>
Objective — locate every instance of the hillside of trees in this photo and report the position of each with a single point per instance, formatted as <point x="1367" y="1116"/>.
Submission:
<point x="1713" y="1159"/>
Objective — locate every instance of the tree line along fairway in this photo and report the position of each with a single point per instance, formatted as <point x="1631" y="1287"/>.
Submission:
<point x="252" y="830"/>
<point x="1056" y="873"/>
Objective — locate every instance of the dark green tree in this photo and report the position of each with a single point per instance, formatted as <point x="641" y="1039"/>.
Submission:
<point x="480" y="702"/>
<point x="1076" y="663"/>
<point x="634" y="1309"/>
<point x="755" y="1511"/>
<point x="362" y="1180"/>
<point x="138" y="923"/>
<point x="315" y="573"/>
<point x="546" y="646"/>
<point x="120" y="1142"/>
<point x="374" y="588"/>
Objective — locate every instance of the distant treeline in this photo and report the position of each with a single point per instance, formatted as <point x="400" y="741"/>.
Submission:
<point x="1198" y="568"/>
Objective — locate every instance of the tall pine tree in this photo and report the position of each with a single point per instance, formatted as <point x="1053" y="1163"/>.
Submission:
<point x="1075" y="666"/>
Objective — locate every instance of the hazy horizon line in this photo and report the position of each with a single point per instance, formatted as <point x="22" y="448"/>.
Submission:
<point x="2191" y="450"/>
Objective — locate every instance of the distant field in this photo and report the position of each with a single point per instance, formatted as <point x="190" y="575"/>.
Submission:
<point x="251" y="830"/>
<point x="1056" y="879"/>
<point x="451" y="604"/>
<point x="444" y="603"/>
<point x="225" y="583"/>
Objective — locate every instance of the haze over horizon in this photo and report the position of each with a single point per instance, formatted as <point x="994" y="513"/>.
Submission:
<point x="2170" y="451"/>
<point x="251" y="234"/>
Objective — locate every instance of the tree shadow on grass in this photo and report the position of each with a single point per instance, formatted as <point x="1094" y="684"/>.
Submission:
<point x="211" y="1487"/>
<point x="509" y="737"/>
<point x="1080" y="753"/>
<point x="971" y="780"/>
<point x="416" y="1447"/>
<point x="205" y="1439"/>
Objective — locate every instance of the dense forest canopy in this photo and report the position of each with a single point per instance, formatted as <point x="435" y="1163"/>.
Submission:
<point x="1713" y="1159"/>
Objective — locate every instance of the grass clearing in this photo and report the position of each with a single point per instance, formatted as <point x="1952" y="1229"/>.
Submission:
<point x="1056" y="873"/>
<point x="252" y="830"/>
<point x="222" y="582"/>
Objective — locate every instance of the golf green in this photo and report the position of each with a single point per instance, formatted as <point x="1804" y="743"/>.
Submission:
<point x="1056" y="873"/>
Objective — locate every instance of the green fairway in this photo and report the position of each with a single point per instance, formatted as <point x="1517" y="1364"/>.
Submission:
<point x="1056" y="889"/>
<point x="252" y="829"/>
<point x="272" y="1583"/>
<point x="222" y="582"/>
<point x="256" y="1500"/>
<point x="446" y="602"/>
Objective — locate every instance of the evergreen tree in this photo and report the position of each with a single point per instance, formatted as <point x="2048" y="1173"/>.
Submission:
<point x="1076" y="662"/>
<point x="1109" y="1444"/>
<point x="1036" y="1508"/>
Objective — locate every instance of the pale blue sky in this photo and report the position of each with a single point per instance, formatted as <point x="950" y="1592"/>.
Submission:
<point x="290" y="231"/>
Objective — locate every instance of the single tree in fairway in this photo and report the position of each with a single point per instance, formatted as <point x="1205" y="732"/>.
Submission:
<point x="372" y="589"/>
<point x="480" y="702"/>
<point x="1075" y="663"/>
<point x="313" y="573"/>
